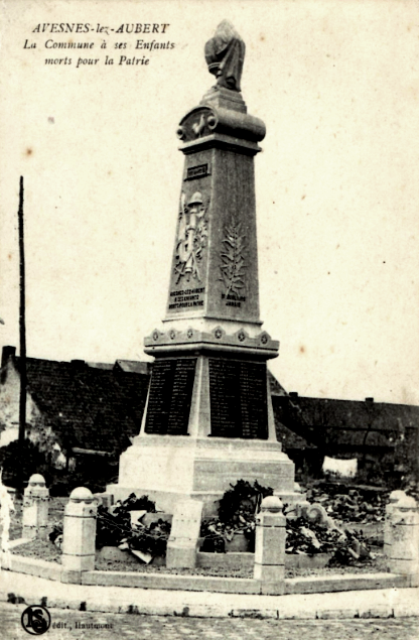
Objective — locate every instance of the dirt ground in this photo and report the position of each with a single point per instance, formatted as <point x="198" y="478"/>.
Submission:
<point x="48" y="551"/>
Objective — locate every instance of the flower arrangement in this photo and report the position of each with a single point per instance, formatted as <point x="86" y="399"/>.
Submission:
<point x="116" y="528"/>
<point x="236" y="515"/>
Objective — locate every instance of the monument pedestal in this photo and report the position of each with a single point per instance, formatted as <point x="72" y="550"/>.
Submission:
<point x="173" y="468"/>
<point x="208" y="421"/>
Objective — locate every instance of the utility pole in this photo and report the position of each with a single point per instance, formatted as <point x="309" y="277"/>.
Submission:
<point x="22" y="333"/>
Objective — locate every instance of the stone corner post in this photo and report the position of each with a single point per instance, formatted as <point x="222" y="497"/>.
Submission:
<point x="270" y="547"/>
<point x="404" y="548"/>
<point x="79" y="536"/>
<point x="35" y="508"/>
<point x="391" y="506"/>
<point x="183" y="541"/>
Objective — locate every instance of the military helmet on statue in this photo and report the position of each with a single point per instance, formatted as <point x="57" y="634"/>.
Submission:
<point x="196" y="199"/>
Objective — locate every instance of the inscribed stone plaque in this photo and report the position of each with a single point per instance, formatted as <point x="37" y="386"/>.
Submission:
<point x="181" y="395"/>
<point x="238" y="396"/>
<point x="170" y="396"/>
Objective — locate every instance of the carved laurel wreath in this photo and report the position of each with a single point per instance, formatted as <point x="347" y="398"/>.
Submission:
<point x="233" y="257"/>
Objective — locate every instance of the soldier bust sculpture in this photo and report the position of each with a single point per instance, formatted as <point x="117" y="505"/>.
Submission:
<point x="224" y="54"/>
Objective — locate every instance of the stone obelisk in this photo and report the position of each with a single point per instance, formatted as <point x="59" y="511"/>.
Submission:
<point x="208" y="421"/>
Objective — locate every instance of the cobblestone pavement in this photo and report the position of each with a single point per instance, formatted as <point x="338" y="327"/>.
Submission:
<point x="67" y="625"/>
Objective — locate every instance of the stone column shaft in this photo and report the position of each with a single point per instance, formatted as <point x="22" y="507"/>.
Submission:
<point x="270" y="547"/>
<point x="79" y="539"/>
<point x="35" y="508"/>
<point x="404" y="548"/>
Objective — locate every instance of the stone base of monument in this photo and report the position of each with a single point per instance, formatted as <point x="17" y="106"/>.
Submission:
<point x="173" y="468"/>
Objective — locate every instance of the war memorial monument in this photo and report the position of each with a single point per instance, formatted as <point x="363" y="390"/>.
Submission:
<point x="208" y="420"/>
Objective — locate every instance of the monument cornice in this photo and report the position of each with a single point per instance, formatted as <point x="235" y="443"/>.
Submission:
<point x="262" y="347"/>
<point x="207" y="118"/>
<point x="220" y="141"/>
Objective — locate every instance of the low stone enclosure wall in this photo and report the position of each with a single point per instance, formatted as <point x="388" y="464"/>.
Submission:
<point x="401" y="547"/>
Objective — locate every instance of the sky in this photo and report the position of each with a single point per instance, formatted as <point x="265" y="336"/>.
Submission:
<point x="337" y="193"/>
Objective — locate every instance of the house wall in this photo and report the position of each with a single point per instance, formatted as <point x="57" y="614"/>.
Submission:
<point x="9" y="405"/>
<point x="383" y="437"/>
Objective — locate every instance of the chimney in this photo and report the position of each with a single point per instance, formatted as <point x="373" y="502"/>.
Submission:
<point x="369" y="399"/>
<point x="78" y="364"/>
<point x="7" y="353"/>
<point x="293" y="394"/>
